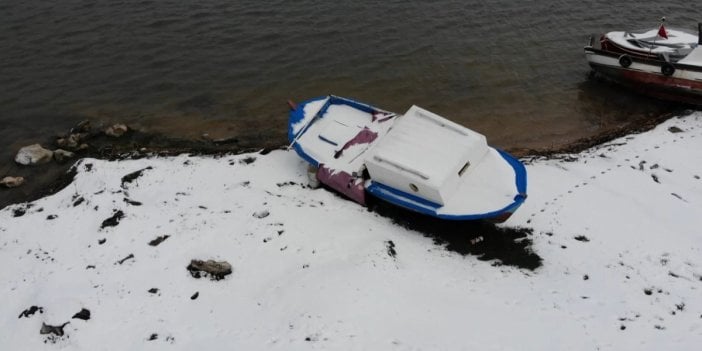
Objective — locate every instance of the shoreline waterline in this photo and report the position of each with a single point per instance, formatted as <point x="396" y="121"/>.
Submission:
<point x="47" y="179"/>
<point x="607" y="243"/>
<point x="502" y="68"/>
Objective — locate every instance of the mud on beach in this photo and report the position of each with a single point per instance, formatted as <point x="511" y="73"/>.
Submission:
<point x="508" y="246"/>
<point x="47" y="179"/>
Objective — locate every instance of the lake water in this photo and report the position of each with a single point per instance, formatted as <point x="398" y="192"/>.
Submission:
<point x="512" y="70"/>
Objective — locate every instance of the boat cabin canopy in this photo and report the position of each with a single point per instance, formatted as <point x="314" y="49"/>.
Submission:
<point x="425" y="155"/>
<point x="678" y="44"/>
<point x="693" y="58"/>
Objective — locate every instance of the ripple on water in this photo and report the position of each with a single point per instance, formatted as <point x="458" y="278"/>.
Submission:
<point x="514" y="71"/>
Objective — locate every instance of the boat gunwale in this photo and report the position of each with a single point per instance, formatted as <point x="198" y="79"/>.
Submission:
<point x="400" y="198"/>
<point x="638" y="59"/>
<point x="405" y="200"/>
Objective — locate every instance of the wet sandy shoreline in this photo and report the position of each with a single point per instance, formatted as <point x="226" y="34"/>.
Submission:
<point x="47" y="179"/>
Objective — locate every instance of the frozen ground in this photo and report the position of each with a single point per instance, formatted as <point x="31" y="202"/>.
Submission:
<point x="613" y="235"/>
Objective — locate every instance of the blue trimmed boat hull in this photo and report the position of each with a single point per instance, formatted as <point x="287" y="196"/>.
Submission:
<point x="398" y="197"/>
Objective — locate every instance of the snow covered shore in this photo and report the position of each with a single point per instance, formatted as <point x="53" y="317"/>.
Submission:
<point x="618" y="229"/>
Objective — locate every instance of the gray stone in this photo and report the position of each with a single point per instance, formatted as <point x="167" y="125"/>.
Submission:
<point x="116" y="130"/>
<point x="70" y="142"/>
<point x="62" y="155"/>
<point x="11" y="182"/>
<point x="33" y="155"/>
<point x="82" y="127"/>
<point x="216" y="269"/>
<point x="52" y="329"/>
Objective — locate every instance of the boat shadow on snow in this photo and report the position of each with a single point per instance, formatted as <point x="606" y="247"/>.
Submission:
<point x="483" y="239"/>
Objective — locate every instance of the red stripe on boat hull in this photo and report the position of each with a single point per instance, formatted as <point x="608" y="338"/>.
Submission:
<point x="654" y="84"/>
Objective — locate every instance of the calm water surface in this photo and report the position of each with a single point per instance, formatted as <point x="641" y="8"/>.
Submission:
<point x="513" y="70"/>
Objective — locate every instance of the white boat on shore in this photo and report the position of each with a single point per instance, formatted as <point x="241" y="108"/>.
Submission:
<point x="418" y="160"/>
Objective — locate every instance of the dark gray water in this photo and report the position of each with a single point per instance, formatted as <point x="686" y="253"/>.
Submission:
<point x="513" y="70"/>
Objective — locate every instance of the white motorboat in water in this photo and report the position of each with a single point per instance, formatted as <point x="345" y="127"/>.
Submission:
<point x="664" y="63"/>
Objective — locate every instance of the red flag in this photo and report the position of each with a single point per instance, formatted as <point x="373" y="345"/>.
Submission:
<point x="662" y="33"/>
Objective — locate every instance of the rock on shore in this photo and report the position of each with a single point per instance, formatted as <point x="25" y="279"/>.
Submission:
<point x="616" y="228"/>
<point x="62" y="155"/>
<point x="33" y="154"/>
<point x="12" y="182"/>
<point x="116" y="130"/>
